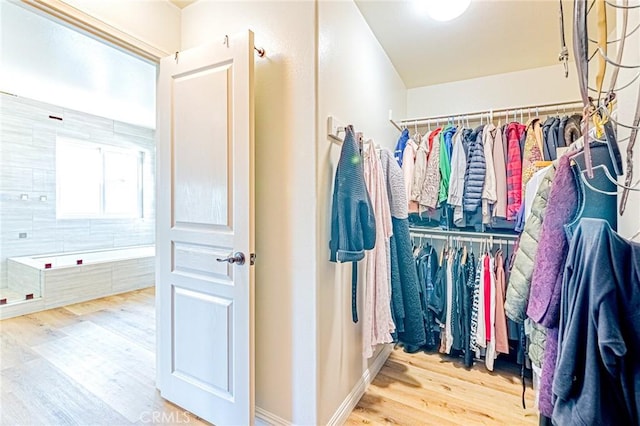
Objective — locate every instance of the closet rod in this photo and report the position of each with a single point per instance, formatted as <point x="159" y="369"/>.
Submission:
<point x="482" y="114"/>
<point x="465" y="239"/>
<point x="482" y="235"/>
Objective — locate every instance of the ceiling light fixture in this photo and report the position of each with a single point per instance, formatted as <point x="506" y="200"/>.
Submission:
<point x="443" y="10"/>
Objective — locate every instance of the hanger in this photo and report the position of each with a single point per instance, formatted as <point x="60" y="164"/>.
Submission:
<point x="636" y="235"/>
<point x="417" y="137"/>
<point x="463" y="259"/>
<point x="612" y="143"/>
<point x="608" y="116"/>
<point x="608" y="175"/>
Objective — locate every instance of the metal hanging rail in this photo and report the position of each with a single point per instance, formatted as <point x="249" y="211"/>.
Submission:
<point x="477" y="237"/>
<point x="490" y="240"/>
<point x="487" y="114"/>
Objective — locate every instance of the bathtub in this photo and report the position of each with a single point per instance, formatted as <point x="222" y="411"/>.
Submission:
<point x="61" y="279"/>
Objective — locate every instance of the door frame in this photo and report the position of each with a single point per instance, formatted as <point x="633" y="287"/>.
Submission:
<point x="97" y="28"/>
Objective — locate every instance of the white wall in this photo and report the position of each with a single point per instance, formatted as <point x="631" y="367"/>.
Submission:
<point x="50" y="62"/>
<point x="529" y="87"/>
<point x="358" y="85"/>
<point x="285" y="192"/>
<point x="629" y="223"/>
<point x="156" y="22"/>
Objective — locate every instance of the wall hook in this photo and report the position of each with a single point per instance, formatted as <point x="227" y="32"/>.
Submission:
<point x="260" y="51"/>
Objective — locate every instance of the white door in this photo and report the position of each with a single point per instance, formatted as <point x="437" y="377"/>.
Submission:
<point x="205" y="214"/>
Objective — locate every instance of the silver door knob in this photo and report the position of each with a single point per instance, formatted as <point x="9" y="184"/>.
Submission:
<point x="237" y="257"/>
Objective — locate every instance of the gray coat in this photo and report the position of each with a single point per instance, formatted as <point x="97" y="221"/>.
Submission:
<point x="405" y="294"/>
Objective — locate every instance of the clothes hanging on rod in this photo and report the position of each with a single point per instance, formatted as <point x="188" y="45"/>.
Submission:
<point x="477" y="178"/>
<point x="564" y="199"/>
<point x="404" y="280"/>
<point x="377" y="321"/>
<point x="462" y="301"/>
<point x="353" y="228"/>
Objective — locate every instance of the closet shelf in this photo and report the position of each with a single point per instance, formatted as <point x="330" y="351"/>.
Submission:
<point x="488" y="114"/>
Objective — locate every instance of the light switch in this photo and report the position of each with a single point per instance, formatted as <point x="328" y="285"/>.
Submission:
<point x="43" y="198"/>
<point x="24" y="197"/>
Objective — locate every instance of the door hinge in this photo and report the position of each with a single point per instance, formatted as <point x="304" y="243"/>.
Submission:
<point x="252" y="259"/>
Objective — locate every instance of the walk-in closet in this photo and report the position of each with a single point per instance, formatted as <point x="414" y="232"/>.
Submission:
<point x="360" y="212"/>
<point x="487" y="241"/>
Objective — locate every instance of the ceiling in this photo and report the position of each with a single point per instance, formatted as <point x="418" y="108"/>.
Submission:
<point x="182" y="3"/>
<point x="491" y="37"/>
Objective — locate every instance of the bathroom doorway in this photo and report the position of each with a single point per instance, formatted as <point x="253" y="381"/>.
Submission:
<point x="77" y="189"/>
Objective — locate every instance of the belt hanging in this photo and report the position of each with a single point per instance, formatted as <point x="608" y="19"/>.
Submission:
<point x="564" y="52"/>
<point x="601" y="9"/>
<point x="632" y="140"/>
<point x="616" y="70"/>
<point x="581" y="53"/>
<point x="354" y="291"/>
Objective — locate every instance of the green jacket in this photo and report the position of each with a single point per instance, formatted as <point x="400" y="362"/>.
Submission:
<point x="446" y="146"/>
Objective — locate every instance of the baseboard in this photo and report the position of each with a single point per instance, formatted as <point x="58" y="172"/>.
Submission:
<point x="267" y="418"/>
<point x="350" y="402"/>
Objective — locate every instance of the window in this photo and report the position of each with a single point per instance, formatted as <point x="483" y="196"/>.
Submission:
<point x="97" y="181"/>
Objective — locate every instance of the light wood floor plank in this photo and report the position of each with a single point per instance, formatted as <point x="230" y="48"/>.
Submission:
<point x="128" y="356"/>
<point x="14" y="353"/>
<point x="29" y="330"/>
<point x="356" y="419"/>
<point x="441" y="383"/>
<point x="36" y="393"/>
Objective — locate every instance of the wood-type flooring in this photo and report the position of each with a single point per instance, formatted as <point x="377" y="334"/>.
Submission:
<point x="92" y="363"/>
<point x="433" y="389"/>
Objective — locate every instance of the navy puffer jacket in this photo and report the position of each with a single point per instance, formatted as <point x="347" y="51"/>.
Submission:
<point x="475" y="173"/>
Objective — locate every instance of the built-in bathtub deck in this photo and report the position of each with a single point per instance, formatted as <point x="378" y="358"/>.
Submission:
<point x="61" y="279"/>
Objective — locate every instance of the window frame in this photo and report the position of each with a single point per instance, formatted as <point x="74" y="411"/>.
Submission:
<point x="103" y="148"/>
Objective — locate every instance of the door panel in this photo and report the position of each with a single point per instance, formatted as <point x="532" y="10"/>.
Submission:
<point x="205" y="213"/>
<point x="197" y="261"/>
<point x="201" y="146"/>
<point x="203" y="315"/>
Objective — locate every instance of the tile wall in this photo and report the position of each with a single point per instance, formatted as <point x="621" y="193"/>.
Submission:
<point x="28" y="224"/>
